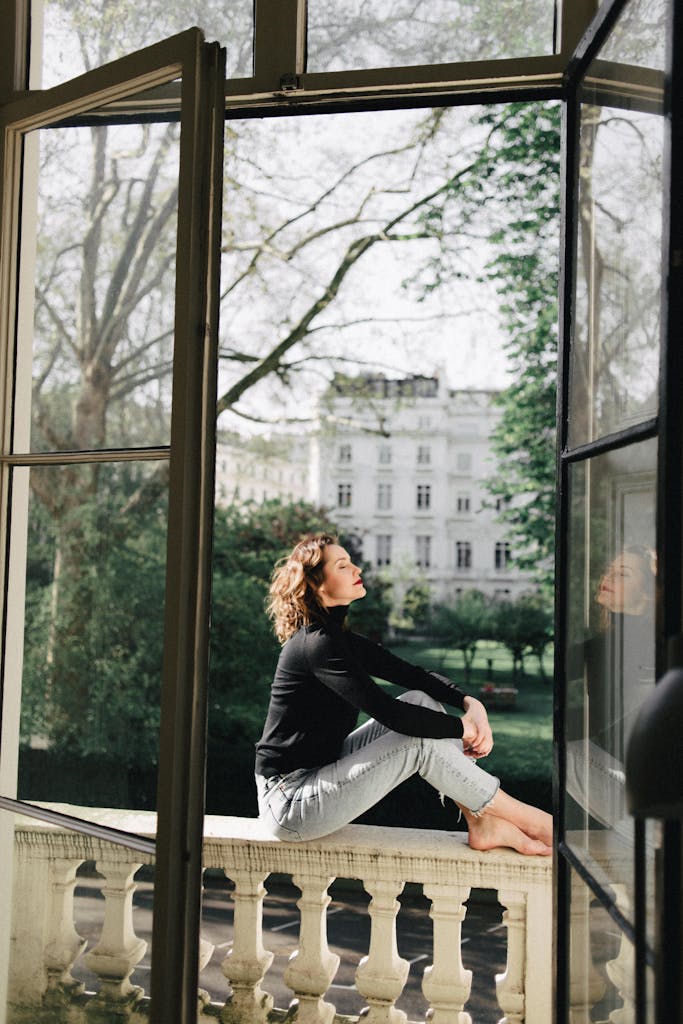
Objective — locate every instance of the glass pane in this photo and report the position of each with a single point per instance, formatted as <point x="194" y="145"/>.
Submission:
<point x="615" y="346"/>
<point x="610" y="657"/>
<point x="88" y="692"/>
<point x="75" y="924"/>
<point x="362" y="34"/>
<point x="78" y="37"/>
<point x="104" y="288"/>
<point x="639" y="36"/>
<point x="601" y="962"/>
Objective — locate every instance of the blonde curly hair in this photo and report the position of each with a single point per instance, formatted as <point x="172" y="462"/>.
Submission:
<point x="293" y="596"/>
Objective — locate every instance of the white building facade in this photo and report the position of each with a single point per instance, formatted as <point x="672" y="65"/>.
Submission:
<point x="261" y="468"/>
<point x="403" y="464"/>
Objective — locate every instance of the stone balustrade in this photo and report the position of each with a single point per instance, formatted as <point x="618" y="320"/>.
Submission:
<point x="46" y="944"/>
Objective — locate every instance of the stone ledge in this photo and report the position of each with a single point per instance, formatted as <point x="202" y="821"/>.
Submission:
<point x="356" y="851"/>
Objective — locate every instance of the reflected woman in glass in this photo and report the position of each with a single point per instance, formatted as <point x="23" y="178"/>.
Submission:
<point x="317" y="770"/>
<point x="617" y="665"/>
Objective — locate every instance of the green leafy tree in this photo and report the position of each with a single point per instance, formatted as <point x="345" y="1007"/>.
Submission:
<point x="462" y="625"/>
<point x="416" y="605"/>
<point x="521" y="165"/>
<point x="91" y="685"/>
<point x="523" y="626"/>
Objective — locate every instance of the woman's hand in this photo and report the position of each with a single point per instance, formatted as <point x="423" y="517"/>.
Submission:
<point x="477" y="738"/>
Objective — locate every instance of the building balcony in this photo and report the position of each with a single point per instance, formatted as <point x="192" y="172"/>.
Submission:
<point x="48" y="949"/>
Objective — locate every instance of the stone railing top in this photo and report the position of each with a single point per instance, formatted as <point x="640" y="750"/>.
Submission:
<point x="356" y="851"/>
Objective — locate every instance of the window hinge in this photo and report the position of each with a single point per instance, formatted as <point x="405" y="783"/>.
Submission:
<point x="290" y="82"/>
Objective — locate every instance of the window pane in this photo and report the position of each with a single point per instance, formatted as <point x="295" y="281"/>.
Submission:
<point x="602" y="961"/>
<point x="75" y="921"/>
<point x="88" y="692"/>
<point x="376" y="33"/>
<point x="615" y="347"/>
<point x="610" y="659"/>
<point x="78" y="36"/>
<point x="104" y="289"/>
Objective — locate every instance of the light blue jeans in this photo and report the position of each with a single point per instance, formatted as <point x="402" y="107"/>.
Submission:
<point x="312" y="802"/>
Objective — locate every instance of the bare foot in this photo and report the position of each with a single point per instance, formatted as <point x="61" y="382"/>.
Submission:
<point x="531" y="820"/>
<point x="488" y="831"/>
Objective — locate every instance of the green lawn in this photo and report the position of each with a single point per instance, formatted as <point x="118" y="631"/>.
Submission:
<point x="522" y="754"/>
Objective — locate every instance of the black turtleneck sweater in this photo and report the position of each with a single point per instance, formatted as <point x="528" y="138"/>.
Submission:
<point x="322" y="681"/>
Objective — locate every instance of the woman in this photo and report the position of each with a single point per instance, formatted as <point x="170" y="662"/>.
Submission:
<point x="610" y="674"/>
<point x="315" y="771"/>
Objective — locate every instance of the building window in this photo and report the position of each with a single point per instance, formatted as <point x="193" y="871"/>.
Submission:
<point x="344" y="453"/>
<point x="383" y="549"/>
<point x="502" y="594"/>
<point x="463" y="554"/>
<point x="502" y="555"/>
<point x="343" y="495"/>
<point x="384" y="496"/>
<point x="424" y="455"/>
<point x="424" y="422"/>
<point x="424" y="495"/>
<point x="502" y="503"/>
<point x="463" y="503"/>
<point x="384" y="454"/>
<point x="423" y="552"/>
<point x="464" y="462"/>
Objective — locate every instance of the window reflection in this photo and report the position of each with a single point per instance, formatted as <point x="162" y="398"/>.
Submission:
<point x="79" y="36"/>
<point x="361" y="34"/>
<point x="615" y="348"/>
<point x="602" y="960"/>
<point x="611" y="647"/>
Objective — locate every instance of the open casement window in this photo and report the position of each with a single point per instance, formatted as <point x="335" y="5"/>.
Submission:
<point x="81" y="489"/>
<point x="619" y="578"/>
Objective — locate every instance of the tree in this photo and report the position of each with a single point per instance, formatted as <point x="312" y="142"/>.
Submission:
<point x="523" y="626"/>
<point x="522" y="167"/>
<point x="462" y="625"/>
<point x="415" y="606"/>
<point x="91" y="687"/>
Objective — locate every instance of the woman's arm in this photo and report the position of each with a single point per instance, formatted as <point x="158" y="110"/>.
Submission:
<point x="332" y="662"/>
<point x="378" y="661"/>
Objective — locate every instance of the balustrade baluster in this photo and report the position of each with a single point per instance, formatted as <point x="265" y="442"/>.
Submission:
<point x="510" y="984"/>
<point x="119" y="949"/>
<point x="621" y="970"/>
<point x="587" y="986"/>
<point x="446" y="984"/>
<point x="312" y="966"/>
<point x="248" y="960"/>
<point x="382" y="974"/>
<point x="64" y="945"/>
<point x="523" y="990"/>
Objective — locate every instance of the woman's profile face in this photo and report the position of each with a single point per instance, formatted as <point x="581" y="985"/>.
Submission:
<point x="341" y="582"/>
<point x="624" y="586"/>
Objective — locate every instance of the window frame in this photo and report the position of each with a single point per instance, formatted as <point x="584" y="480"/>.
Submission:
<point x="463" y="554"/>
<point x="423" y="551"/>
<point x="423" y="497"/>
<point x="180" y="804"/>
<point x="385" y="496"/>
